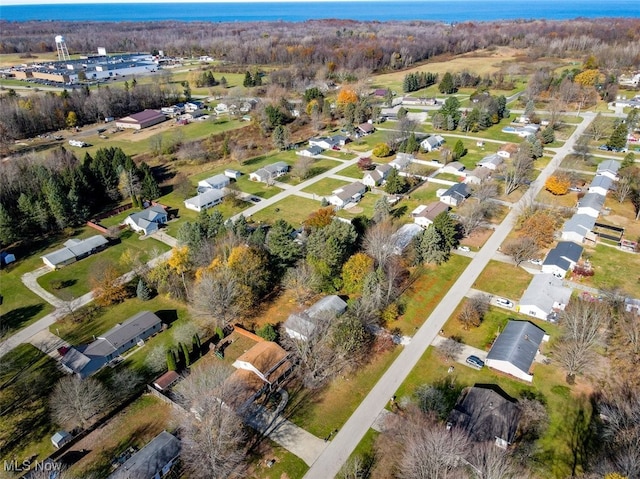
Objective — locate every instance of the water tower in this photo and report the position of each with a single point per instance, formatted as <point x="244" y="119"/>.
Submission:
<point x="61" y="46"/>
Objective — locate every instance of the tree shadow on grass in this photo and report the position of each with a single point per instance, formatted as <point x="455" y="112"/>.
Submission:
<point x="167" y="316"/>
<point x="16" y="317"/>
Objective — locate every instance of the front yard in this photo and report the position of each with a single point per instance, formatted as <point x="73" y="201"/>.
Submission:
<point x="502" y="279"/>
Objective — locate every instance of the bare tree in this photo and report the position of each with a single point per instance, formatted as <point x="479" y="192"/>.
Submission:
<point x="378" y="243"/>
<point x="521" y="249"/>
<point x="534" y="419"/>
<point x="302" y="167"/>
<point x="623" y="187"/>
<point x="520" y="170"/>
<point x="301" y="281"/>
<point x="485" y="190"/>
<point x="599" y="128"/>
<point x="212" y="436"/>
<point x="431" y="399"/>
<point x="156" y="359"/>
<point x="473" y="311"/>
<point x="450" y="349"/>
<point x="491" y="462"/>
<point x="76" y="402"/>
<point x="582" y="326"/>
<point x="218" y="295"/>
<point x="357" y="467"/>
<point x="472" y="214"/>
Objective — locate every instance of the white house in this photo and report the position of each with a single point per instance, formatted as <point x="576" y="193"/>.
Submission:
<point x="216" y="182"/>
<point x="404" y="236"/>
<point x="544" y="296"/>
<point x="578" y="227"/>
<point x="562" y="258"/>
<point x="311" y="151"/>
<point x="270" y="172"/>
<point x="455" y="195"/>
<point x="221" y="108"/>
<point x="515" y="349"/>
<point x="609" y="168"/>
<point x="491" y="162"/>
<point x="507" y="150"/>
<point x="591" y="204"/>
<point x="351" y="193"/>
<point x="232" y="174"/>
<point x="147" y="221"/>
<point x="207" y="199"/>
<point x="74" y="250"/>
<point x="301" y="325"/>
<point x="375" y="177"/>
<point x="453" y="168"/>
<point x="431" y="143"/>
<point x="402" y="161"/>
<point x="265" y="359"/>
<point x="600" y="185"/>
<point x="324" y="142"/>
<point x="424" y="215"/>
<point x="477" y="176"/>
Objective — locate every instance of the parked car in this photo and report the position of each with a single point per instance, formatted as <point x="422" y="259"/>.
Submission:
<point x="576" y="189"/>
<point x="603" y="148"/>
<point x="464" y="248"/>
<point x="504" y="302"/>
<point x="255" y="199"/>
<point x="475" y="362"/>
<point x="537" y="262"/>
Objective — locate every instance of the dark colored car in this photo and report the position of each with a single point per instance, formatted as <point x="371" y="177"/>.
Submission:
<point x="475" y="361"/>
<point x="255" y="199"/>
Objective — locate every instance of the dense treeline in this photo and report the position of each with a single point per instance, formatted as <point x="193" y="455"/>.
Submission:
<point x="335" y="44"/>
<point x="40" y="196"/>
<point x="25" y="117"/>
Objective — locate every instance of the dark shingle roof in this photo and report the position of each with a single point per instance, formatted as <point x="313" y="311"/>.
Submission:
<point x="131" y="328"/>
<point x="150" y="460"/>
<point x="563" y="254"/>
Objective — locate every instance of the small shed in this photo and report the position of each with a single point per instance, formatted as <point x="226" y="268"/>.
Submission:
<point x="61" y="438"/>
<point x="233" y="174"/>
<point x="6" y="258"/>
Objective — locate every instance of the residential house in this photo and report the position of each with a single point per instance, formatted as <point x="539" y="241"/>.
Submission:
<point x="402" y="161"/>
<point x="301" y="325"/>
<point x="324" y="142"/>
<point x="453" y="168"/>
<point x="311" y="151"/>
<point x="376" y="177"/>
<point x="214" y="182"/>
<point x="365" y="129"/>
<point x="75" y="250"/>
<point x="544" y="296"/>
<point x="515" y="349"/>
<point x="202" y="201"/>
<point x="578" y="227"/>
<point x="404" y="236"/>
<point x="172" y="111"/>
<point x="148" y="220"/>
<point x="600" y="185"/>
<point x="432" y="143"/>
<point x="478" y="175"/>
<point x="351" y="193"/>
<point x="221" y="108"/>
<point x="232" y="174"/>
<point x="266" y="360"/>
<point x="424" y="215"/>
<point x="193" y="105"/>
<point x="609" y="168"/>
<point x="455" y="195"/>
<point x="632" y="305"/>
<point x="491" y="162"/>
<point x="507" y="150"/>
<point x="340" y="140"/>
<point x="562" y="258"/>
<point x="486" y="413"/>
<point x="86" y="359"/>
<point x="591" y="204"/>
<point x="153" y="461"/>
<point x="143" y="119"/>
<point x="270" y="172"/>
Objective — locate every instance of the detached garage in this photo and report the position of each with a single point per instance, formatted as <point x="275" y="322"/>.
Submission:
<point x="141" y="120"/>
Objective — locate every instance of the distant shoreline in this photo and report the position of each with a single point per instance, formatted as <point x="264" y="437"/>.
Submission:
<point x="448" y="11"/>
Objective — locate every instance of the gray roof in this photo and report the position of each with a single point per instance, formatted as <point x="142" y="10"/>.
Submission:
<point x="434" y="140"/>
<point x="74" y="248"/>
<point x="131" y="328"/>
<point x="149" y="460"/>
<point x="403" y="237"/>
<point x="331" y="303"/>
<point x="215" y="180"/>
<point x="267" y="171"/>
<point x="314" y="150"/>
<point x="458" y="190"/>
<point x="494" y="159"/>
<point x="563" y="254"/>
<point x="580" y="223"/>
<point x="608" y="165"/>
<point x="602" y="182"/>
<point x="517" y="344"/>
<point x="205" y="198"/>
<point x="543" y="291"/>
<point x="153" y="214"/>
<point x="304" y="321"/>
<point x="486" y="413"/>
<point x="349" y="191"/>
<point x="592" y="200"/>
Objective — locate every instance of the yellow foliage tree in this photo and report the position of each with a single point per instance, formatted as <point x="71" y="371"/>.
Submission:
<point x="557" y="184"/>
<point x="180" y="263"/>
<point x="250" y="268"/>
<point x="346" y="96"/>
<point x="313" y="104"/>
<point x="540" y="227"/>
<point x="615" y="475"/>
<point x="354" y="272"/>
<point x="587" y="77"/>
<point x="106" y="286"/>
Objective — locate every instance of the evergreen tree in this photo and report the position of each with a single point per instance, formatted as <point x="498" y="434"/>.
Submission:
<point x="446" y="226"/>
<point x="381" y="209"/>
<point x="281" y="245"/>
<point x="618" y="138"/>
<point x="451" y="112"/>
<point x="447" y="85"/>
<point x="57" y="201"/>
<point x="459" y="150"/>
<point x="171" y="360"/>
<point x="185" y="353"/>
<point x="395" y="183"/>
<point x="548" y="135"/>
<point x="430" y="247"/>
<point x="248" y="80"/>
<point x="142" y="291"/>
<point x="412" y="144"/>
<point x="8" y="227"/>
<point x="196" y="347"/>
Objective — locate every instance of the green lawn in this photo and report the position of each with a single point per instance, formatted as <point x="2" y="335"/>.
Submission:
<point x="613" y="269"/>
<point x="502" y="279"/>
<point x="553" y="456"/>
<point x="321" y="412"/>
<point x="293" y="209"/>
<point x="287" y="465"/>
<point x="26" y="378"/>
<point x="420" y="299"/>
<point x="353" y="172"/>
<point x="340" y="155"/>
<point x="364" y="207"/>
<point x="325" y="186"/>
<point x="77" y="275"/>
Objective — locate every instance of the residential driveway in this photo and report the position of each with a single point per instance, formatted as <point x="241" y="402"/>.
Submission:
<point x="293" y="438"/>
<point x="281" y="185"/>
<point x="465" y="353"/>
<point x="48" y="343"/>
<point x="310" y="196"/>
<point x="30" y="280"/>
<point x="337" y="453"/>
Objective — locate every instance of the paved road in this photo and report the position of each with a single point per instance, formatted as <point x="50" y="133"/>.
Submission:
<point x="337" y="453"/>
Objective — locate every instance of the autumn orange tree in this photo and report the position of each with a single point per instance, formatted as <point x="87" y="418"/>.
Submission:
<point x="106" y="285"/>
<point x="587" y="77"/>
<point x="558" y="184"/>
<point x="320" y="218"/>
<point x="540" y="226"/>
<point x="346" y="96"/>
<point x="354" y="271"/>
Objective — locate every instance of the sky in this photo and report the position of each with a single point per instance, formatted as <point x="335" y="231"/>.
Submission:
<point x="52" y="2"/>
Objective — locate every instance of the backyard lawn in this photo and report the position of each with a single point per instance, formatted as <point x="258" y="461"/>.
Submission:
<point x="77" y="276"/>
<point x="293" y="209"/>
<point x="613" y="269"/>
<point x="20" y="306"/>
<point x="503" y="279"/>
<point x="325" y="186"/>
<point x="365" y="207"/>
